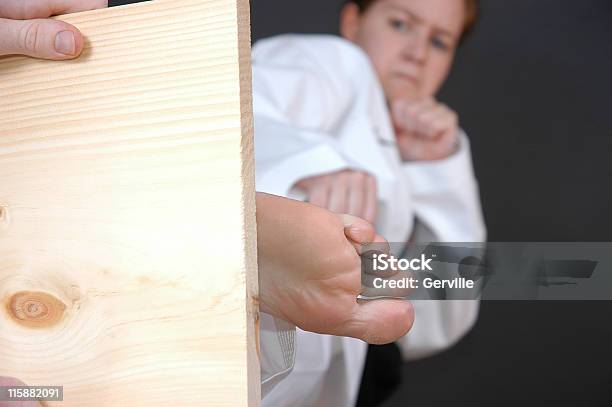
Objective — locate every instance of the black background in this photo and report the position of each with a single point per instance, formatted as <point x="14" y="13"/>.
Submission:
<point x="533" y="89"/>
<point x="532" y="86"/>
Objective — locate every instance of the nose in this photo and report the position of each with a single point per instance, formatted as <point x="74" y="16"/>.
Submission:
<point x="416" y="47"/>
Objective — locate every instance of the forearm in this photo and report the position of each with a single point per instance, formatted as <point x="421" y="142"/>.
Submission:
<point x="446" y="198"/>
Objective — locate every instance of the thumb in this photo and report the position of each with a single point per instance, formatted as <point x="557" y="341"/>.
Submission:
<point x="398" y="113"/>
<point x="40" y="38"/>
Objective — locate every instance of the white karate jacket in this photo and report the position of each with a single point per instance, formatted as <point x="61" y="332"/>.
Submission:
<point x="318" y="108"/>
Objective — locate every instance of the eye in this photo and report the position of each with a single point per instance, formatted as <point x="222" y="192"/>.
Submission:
<point x="399" y="25"/>
<point x="440" y="44"/>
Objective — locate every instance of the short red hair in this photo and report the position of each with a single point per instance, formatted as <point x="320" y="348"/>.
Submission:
<point x="471" y="7"/>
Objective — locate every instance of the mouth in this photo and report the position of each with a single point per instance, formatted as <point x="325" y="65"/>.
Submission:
<point x="406" y="77"/>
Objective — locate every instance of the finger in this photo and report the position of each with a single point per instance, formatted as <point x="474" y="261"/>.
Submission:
<point x="428" y="127"/>
<point x="448" y="143"/>
<point x="338" y="194"/>
<point x="401" y="107"/>
<point x="440" y="126"/>
<point x="45" y="39"/>
<point x="440" y="120"/>
<point x="319" y="193"/>
<point x="370" y="211"/>
<point x="356" y="194"/>
<point x="427" y="117"/>
<point x="12" y="382"/>
<point x="402" y="120"/>
<point x="380" y="322"/>
<point x="413" y="110"/>
<point x="30" y="9"/>
<point x="398" y="108"/>
<point x="417" y="106"/>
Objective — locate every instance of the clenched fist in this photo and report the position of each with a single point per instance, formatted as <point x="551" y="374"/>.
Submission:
<point x="350" y="192"/>
<point x="425" y="129"/>
<point x="25" y="28"/>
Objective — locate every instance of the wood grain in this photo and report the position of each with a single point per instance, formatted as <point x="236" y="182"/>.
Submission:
<point x="127" y="211"/>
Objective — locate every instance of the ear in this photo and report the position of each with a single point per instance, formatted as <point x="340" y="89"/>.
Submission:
<point x="350" y="18"/>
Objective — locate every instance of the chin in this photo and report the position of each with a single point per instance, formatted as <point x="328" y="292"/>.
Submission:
<point x="395" y="94"/>
<point x="396" y="90"/>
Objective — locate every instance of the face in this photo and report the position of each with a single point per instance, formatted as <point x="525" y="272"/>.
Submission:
<point x="410" y="42"/>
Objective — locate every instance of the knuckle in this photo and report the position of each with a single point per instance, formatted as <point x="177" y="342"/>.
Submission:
<point x="14" y="10"/>
<point x="319" y="188"/>
<point x="338" y="180"/>
<point x="358" y="176"/>
<point x="412" y="108"/>
<point x="413" y="112"/>
<point x="323" y="181"/>
<point x="100" y="4"/>
<point x="422" y="117"/>
<point x="29" y="36"/>
<point x="438" y="126"/>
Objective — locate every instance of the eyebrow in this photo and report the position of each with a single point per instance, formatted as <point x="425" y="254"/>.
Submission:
<point x="421" y="19"/>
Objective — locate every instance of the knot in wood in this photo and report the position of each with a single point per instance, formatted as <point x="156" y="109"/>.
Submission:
<point x="35" y="309"/>
<point x="4" y="216"/>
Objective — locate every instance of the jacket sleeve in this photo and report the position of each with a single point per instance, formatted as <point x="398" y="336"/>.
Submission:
<point x="296" y="105"/>
<point x="447" y="208"/>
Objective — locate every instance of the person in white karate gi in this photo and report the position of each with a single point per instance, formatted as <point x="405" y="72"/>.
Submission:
<point x="315" y="233"/>
<point x="352" y="124"/>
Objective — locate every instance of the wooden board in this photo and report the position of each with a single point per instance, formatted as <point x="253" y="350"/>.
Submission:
<point x="127" y="221"/>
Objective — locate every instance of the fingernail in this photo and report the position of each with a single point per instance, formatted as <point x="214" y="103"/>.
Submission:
<point x="65" y="43"/>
